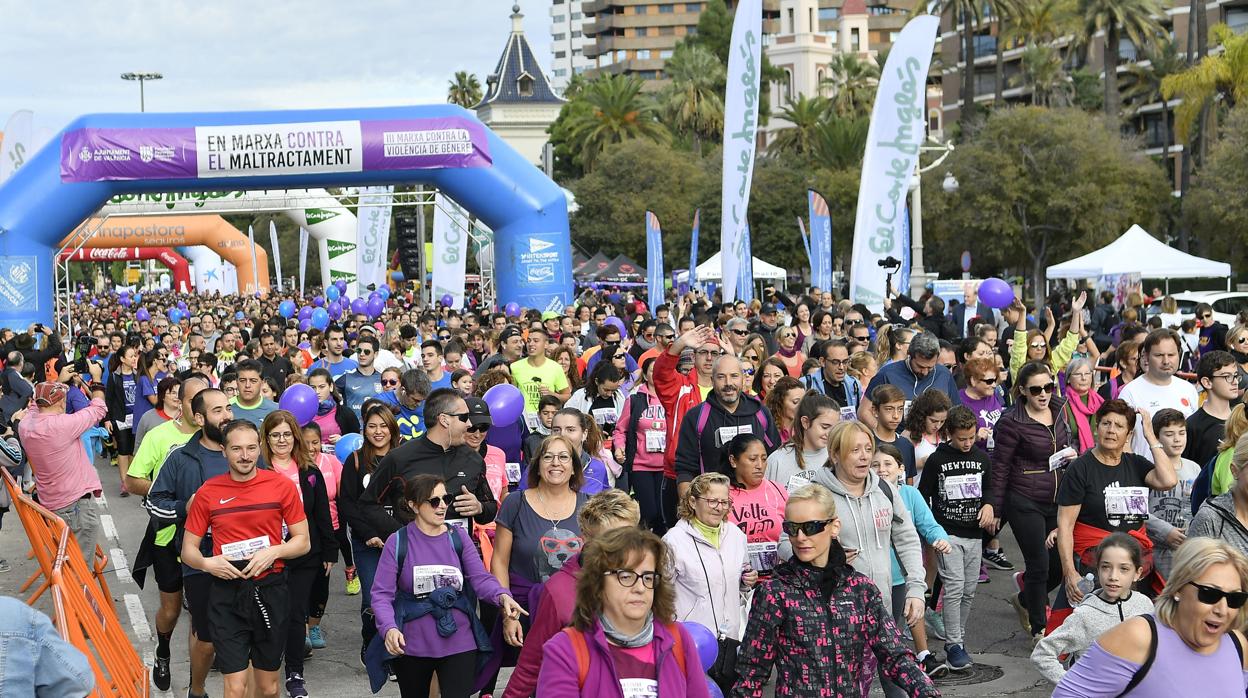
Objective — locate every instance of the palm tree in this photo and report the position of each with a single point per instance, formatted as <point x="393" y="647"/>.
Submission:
<point x="968" y="13"/>
<point x="840" y="142"/>
<point x="464" y="90"/>
<point x="693" y="102"/>
<point x="1142" y="83"/>
<point x="617" y="111"/>
<point x="853" y="82"/>
<point x="1222" y="76"/>
<point x="1135" y="19"/>
<point x="805" y="115"/>
<point x="1043" y="72"/>
<point x="1039" y="21"/>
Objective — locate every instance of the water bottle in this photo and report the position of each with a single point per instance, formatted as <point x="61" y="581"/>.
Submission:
<point x="1087" y="584"/>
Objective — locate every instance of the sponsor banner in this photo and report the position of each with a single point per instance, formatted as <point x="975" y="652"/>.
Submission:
<point x="337" y="248"/>
<point x="693" y="249"/>
<point x="898" y="127"/>
<point x="903" y="274"/>
<point x="820" y="247"/>
<point x="277" y="254"/>
<point x="450" y="249"/>
<point x="538" y="260"/>
<point x="801" y="228"/>
<point x="303" y="258"/>
<point x="372" y="235"/>
<point x="740" y="124"/>
<point x="654" y="261"/>
<point x="18" y="277"/>
<point x="15" y="146"/>
<point x="255" y="150"/>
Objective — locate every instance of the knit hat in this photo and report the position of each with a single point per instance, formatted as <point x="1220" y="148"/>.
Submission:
<point x="49" y="393"/>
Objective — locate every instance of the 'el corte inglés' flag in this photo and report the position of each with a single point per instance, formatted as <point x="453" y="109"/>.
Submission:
<point x="810" y="260"/>
<point x="903" y="274"/>
<point x="372" y="236"/>
<point x="898" y="128"/>
<point x="450" y="249"/>
<point x="255" y="270"/>
<point x="693" y="249"/>
<point x="277" y="254"/>
<point x="745" y="64"/>
<point x="820" y="241"/>
<point x="745" y="273"/>
<point x="303" y="257"/>
<point x="654" y="261"/>
<point x="15" y="147"/>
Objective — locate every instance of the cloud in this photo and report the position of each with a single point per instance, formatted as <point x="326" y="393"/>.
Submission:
<point x="65" y="59"/>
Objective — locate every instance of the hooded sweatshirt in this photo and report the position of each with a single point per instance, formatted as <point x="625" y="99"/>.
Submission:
<point x="1216" y="519"/>
<point x="1092" y="617"/>
<point x="720" y="427"/>
<point x="876" y="524"/>
<point x="782" y="466"/>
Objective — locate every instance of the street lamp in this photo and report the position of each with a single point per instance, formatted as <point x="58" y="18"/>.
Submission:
<point x="918" y="276"/>
<point x="142" y="78"/>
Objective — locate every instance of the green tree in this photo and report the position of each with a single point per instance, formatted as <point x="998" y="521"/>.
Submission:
<point x="464" y="89"/>
<point x="840" y="142"/>
<point x="968" y="13"/>
<point x="694" y="100"/>
<point x="1134" y="19"/>
<point x="715" y="34"/>
<point x="568" y="166"/>
<point x="1142" y="84"/>
<point x="1043" y="73"/>
<point x="1218" y="207"/>
<point x="853" y="82"/>
<point x="1042" y="185"/>
<point x="805" y="116"/>
<point x="1223" y="76"/>
<point x="618" y="111"/>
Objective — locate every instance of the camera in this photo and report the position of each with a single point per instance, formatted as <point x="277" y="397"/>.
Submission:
<point x="890" y="263"/>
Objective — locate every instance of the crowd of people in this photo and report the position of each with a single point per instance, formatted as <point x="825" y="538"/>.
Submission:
<point x="813" y="489"/>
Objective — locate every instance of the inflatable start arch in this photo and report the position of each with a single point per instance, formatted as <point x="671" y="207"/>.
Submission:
<point x="100" y="156"/>
<point x="175" y="262"/>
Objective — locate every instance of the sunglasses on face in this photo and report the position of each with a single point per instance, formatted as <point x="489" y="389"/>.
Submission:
<point x="462" y="416"/>
<point x="666" y="337"/>
<point x="1038" y="346"/>
<point x="988" y="380"/>
<point x="479" y="428"/>
<point x="444" y="500"/>
<point x="809" y="528"/>
<point x="1037" y="390"/>
<point x="739" y="333"/>
<point x="390" y="383"/>
<point x="1211" y="595"/>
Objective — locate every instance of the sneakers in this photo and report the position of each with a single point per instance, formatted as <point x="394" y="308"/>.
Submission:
<point x="353" y="582"/>
<point x="294" y="685"/>
<point x="1035" y="639"/>
<point x="1024" y="618"/>
<point x="997" y="560"/>
<point x="957" y="658"/>
<point x="316" y="638"/>
<point x="1018" y="581"/>
<point x="933" y="668"/>
<point x="983" y="575"/>
<point x="160" y="673"/>
<point x="935" y="624"/>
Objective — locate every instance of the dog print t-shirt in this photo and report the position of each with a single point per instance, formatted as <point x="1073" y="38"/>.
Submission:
<point x="539" y="548"/>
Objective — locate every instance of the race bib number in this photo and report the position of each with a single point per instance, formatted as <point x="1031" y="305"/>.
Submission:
<point x="656" y="441"/>
<point x="798" y="480"/>
<point x="604" y="415"/>
<point x="964" y="486"/>
<point x="428" y="578"/>
<point x="725" y="435"/>
<point x="1061" y="458"/>
<point x="128" y="422"/>
<point x="848" y="414"/>
<point x="763" y="556"/>
<point x="639" y="688"/>
<point x="532" y="421"/>
<point x="244" y="549"/>
<point x="1126" y="504"/>
<point x="461" y="523"/>
<point x="513" y="472"/>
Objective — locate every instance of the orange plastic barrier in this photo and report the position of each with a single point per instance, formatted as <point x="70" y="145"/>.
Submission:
<point x="82" y="604"/>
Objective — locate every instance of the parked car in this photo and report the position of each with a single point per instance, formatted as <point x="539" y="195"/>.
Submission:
<point x="1226" y="304"/>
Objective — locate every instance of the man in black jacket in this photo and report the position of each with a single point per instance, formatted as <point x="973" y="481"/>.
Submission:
<point x="440" y="451"/>
<point x="25" y="343"/>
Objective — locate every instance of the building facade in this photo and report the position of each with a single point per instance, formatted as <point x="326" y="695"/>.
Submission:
<point x="568" y="42"/>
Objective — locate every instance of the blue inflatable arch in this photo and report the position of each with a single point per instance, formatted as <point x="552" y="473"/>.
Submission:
<point x="99" y="156"/>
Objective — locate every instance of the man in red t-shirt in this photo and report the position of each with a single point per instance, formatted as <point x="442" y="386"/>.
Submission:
<point x="246" y="509"/>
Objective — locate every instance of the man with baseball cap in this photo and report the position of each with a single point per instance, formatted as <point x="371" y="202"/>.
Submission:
<point x="510" y="350"/>
<point x="65" y="478"/>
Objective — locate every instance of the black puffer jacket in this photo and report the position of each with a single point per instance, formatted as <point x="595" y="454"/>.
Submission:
<point x="1020" y="461"/>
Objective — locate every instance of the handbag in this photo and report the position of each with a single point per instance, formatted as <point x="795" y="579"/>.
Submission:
<point x="724" y="671"/>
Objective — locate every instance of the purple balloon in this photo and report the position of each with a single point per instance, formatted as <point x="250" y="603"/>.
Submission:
<point x="996" y="293"/>
<point x="704" y="640"/>
<point x="305" y="325"/>
<point x="181" y="305"/>
<point x="342" y="286"/>
<point x="335" y="310"/>
<point x="305" y="313"/>
<point x="359" y="306"/>
<point x="512" y="309"/>
<point x="618" y="324"/>
<point x="447" y="300"/>
<point x="506" y="404"/>
<point x="376" y="306"/>
<point x="142" y="315"/>
<point x="299" y="400"/>
<point x="318" y="301"/>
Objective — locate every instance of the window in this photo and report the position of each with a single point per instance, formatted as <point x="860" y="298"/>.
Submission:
<point x="985" y="45"/>
<point x="667" y="31"/>
<point x="792" y="28"/>
<point x="559" y="72"/>
<point x="1154" y="131"/>
<point x="1126" y="50"/>
<point x="559" y="37"/>
<point x="576" y="52"/>
<point x="985" y="83"/>
<point x="933" y="120"/>
<point x="693" y="7"/>
<point x="666" y="9"/>
<point x="892" y="37"/>
<point x="641" y="31"/>
<point x="576" y="34"/>
<point x="640" y="9"/>
<point x="578" y="70"/>
<point x="576" y="15"/>
<point x="643" y="54"/>
<point x="1230" y="306"/>
<point x="855" y="41"/>
<point x="559" y="19"/>
<point x="525" y="84"/>
<point x="665" y="54"/>
<point x="560" y="54"/>
<point x="1237" y="19"/>
<point x="788" y="84"/>
<point x="878" y="10"/>
<point x="829" y="13"/>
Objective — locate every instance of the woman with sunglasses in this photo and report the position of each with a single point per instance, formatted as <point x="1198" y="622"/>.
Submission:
<point x="1036" y="346"/>
<point x="796" y="627"/>
<point x="788" y="352"/>
<point x="1192" y="644"/>
<point x="983" y="396"/>
<point x="435" y="571"/>
<point x="281" y="444"/>
<point x="1032" y="447"/>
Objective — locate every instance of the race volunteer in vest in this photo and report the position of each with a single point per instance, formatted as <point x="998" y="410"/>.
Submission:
<point x="710" y="427"/>
<point x="919" y="372"/>
<point x="333" y="360"/>
<point x="833" y="380"/>
<point x="273" y="364"/>
<point x="248" y="602"/>
<point x="156" y="551"/>
<point x="537" y="376"/>
<point x="185" y="469"/>
<point x="357" y="385"/>
<point x="250" y="404"/>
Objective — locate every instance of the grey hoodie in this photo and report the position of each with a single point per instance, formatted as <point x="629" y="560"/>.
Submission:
<point x="1216" y="519"/>
<point x="1091" y="617"/>
<point x="875" y="526"/>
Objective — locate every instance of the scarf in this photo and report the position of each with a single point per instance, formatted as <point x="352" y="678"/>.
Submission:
<point x="324" y="407"/>
<point x="788" y="353"/>
<point x="641" y="639"/>
<point x="831" y="575"/>
<point x="1082" y="415"/>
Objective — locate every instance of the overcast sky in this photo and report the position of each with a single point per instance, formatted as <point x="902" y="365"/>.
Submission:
<point x="63" y="59"/>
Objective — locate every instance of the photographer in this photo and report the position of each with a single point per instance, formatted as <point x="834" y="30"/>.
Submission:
<point x="25" y="343"/>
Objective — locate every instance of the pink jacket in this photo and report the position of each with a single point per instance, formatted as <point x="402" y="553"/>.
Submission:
<point x="553" y="614"/>
<point x="719" y="587"/>
<point x="560" y="671"/>
<point x="63" y="472"/>
<point x="331" y="471"/>
<point x="653" y="419"/>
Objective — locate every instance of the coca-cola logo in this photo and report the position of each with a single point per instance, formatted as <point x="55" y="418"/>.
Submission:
<point x="108" y="253"/>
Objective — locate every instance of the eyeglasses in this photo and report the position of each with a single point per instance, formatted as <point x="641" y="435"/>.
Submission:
<point x="710" y="352"/>
<point x="1242" y="340"/>
<point x="390" y="383"/>
<point x="862" y="338"/>
<point x="564" y="458"/>
<point x="1036" y="390"/>
<point x="717" y="503"/>
<point x="748" y="371"/>
<point x="1211" y="595"/>
<point x="628" y="578"/>
<point x="461" y="416"/>
<point x="1039" y="345"/>
<point x="1206" y="316"/>
<point x="444" y="337"/>
<point x="479" y="428"/>
<point x="739" y="333"/>
<point x="836" y="362"/>
<point x="1230" y="378"/>
<point x="281" y="436"/>
<point x="988" y="380"/>
<point x="666" y="337"/>
<point x="808" y="528"/>
<point x="444" y="500"/>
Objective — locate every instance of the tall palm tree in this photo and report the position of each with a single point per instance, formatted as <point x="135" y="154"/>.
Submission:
<point x="1004" y="12"/>
<point x="618" y="111"/>
<point x="968" y="13"/>
<point x="464" y="90"/>
<point x="1039" y="21"/>
<point x="1134" y="19"/>
<point x="1222" y="76"/>
<point x="840" y="142"/>
<point x="806" y="115"/>
<point x="1142" y="83"/>
<point x="853" y="82"/>
<point x="693" y="102"/>
<point x="1043" y="72"/>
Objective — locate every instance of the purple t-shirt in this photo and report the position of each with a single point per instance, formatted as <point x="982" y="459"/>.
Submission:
<point x="987" y="411"/>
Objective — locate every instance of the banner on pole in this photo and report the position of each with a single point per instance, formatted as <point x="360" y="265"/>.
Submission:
<point x="255" y="271"/>
<point x="820" y="241"/>
<point x="372" y="236"/>
<point x="449" y="249"/>
<point x="654" y="261"/>
<point x="810" y="260"/>
<point x="898" y="128"/>
<point x="693" y="249"/>
<point x="903" y="274"/>
<point x="745" y="64"/>
<point x="745" y="274"/>
<point x="277" y="254"/>
<point x="16" y="146"/>
<point x="303" y="258"/>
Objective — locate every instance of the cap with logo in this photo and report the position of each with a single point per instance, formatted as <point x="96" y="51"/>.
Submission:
<point x="508" y="333"/>
<point x="478" y="412"/>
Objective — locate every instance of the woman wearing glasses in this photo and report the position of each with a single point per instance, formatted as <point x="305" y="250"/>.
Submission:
<point x="710" y="565"/>
<point x="1036" y="347"/>
<point x="1032" y="447"/>
<point x="1082" y="402"/>
<point x="982" y="395"/>
<point x="819" y="622"/>
<point x="789" y="353"/>
<point x="624" y="640"/>
<point x="1191" y="646"/>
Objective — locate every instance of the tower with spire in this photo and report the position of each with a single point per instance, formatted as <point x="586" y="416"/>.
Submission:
<point x="519" y="103"/>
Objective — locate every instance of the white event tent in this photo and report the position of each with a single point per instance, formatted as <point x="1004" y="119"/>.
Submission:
<point x="1137" y="251"/>
<point x="712" y="269"/>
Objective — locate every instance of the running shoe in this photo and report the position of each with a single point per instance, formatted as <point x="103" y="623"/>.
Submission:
<point x="997" y="560"/>
<point x="933" y="667"/>
<point x="935" y="624"/>
<point x="1035" y="639"/>
<point x="160" y="673"/>
<point x="353" y="582"/>
<point x="957" y="658"/>
<point x="983" y="575"/>
<point x="316" y="638"/>
<point x="1018" y="581"/>
<point x="123" y="493"/>
<point x="294" y="685"/>
<point x="1024" y="618"/>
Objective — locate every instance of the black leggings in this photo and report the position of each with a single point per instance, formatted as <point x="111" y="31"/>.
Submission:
<point x="320" y="594"/>
<point x="456" y="674"/>
<point x="648" y="490"/>
<point x="344" y="544"/>
<point x="1032" y="522"/>
<point x="299" y="581"/>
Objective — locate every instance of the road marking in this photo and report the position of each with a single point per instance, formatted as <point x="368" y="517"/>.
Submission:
<point x="101" y="502"/>
<point x="120" y="567"/>
<point x="138" y="620"/>
<point x="110" y="528"/>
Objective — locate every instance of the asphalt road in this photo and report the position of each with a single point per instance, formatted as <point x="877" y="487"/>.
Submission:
<point x="995" y="640"/>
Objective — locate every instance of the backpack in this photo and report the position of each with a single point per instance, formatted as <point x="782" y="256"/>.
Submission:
<point x="1152" y="655"/>
<point x="581" y="649"/>
<point x="704" y="415"/>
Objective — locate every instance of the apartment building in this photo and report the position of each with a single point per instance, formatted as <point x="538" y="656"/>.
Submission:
<point x="568" y="42"/>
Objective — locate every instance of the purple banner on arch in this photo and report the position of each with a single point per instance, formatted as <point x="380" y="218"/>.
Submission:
<point x="95" y="154"/>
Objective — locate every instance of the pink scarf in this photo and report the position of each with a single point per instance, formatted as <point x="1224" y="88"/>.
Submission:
<point x="1083" y="416"/>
